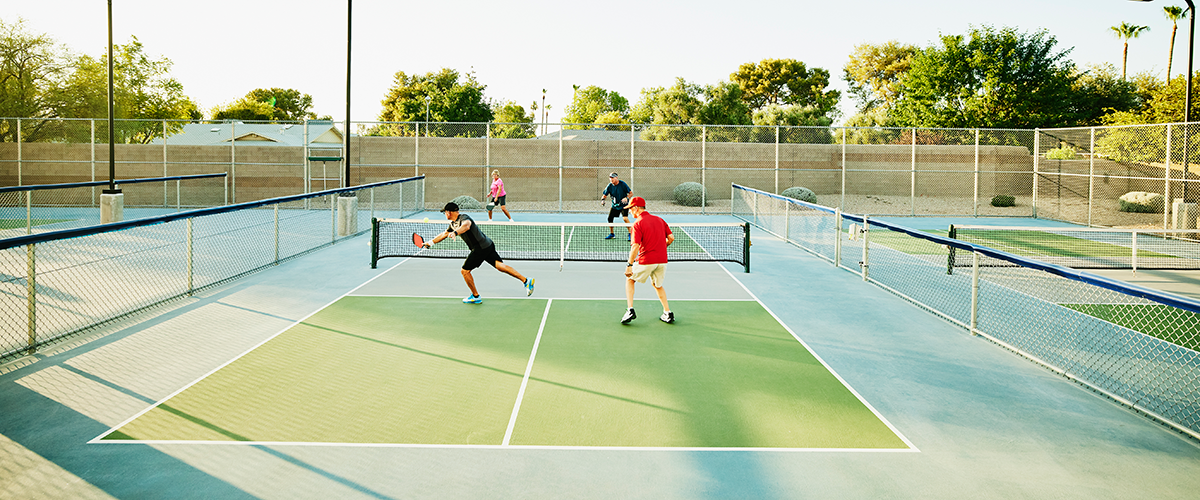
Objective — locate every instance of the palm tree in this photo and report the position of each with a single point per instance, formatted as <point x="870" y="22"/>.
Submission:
<point x="1126" y="31"/>
<point x="1174" y="14"/>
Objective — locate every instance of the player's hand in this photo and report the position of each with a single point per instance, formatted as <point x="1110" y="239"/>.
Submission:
<point x="628" y="272"/>
<point x="428" y="244"/>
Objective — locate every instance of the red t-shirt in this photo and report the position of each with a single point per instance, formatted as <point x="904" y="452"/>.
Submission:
<point x="651" y="233"/>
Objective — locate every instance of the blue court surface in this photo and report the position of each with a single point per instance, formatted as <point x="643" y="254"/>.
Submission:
<point x="978" y="421"/>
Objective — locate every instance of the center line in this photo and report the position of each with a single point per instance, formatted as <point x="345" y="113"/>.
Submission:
<point x="512" y="421"/>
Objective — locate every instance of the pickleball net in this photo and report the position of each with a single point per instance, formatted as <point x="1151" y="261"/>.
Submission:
<point x="1087" y="248"/>
<point x="552" y="241"/>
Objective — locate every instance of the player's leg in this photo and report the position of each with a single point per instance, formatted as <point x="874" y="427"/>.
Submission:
<point x="629" y="314"/>
<point x="612" y="214"/>
<point x="625" y="217"/>
<point x="499" y="264"/>
<point x="470" y="282"/>
<point x="474" y="259"/>
<point x="656" y="279"/>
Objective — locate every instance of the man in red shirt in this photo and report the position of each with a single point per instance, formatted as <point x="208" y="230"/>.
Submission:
<point x="647" y="257"/>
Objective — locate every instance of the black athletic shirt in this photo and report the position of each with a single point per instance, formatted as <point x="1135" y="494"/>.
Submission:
<point x="474" y="238"/>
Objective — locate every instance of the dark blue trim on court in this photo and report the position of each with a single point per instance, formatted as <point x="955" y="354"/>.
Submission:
<point x="39" y="187"/>
<point x="200" y="212"/>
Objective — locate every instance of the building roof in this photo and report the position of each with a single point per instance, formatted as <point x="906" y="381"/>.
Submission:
<point x="257" y="134"/>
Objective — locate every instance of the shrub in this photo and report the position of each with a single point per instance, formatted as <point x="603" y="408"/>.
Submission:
<point x="689" y="194"/>
<point x="1142" y="202"/>
<point x="800" y="193"/>
<point x="1004" y="200"/>
<point x="467" y="203"/>
<point x="1061" y="153"/>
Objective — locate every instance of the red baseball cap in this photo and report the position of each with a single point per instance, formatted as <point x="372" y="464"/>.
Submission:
<point x="637" y="201"/>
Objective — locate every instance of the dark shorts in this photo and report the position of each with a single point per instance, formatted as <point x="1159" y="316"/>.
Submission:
<point x="477" y="257"/>
<point x="614" y="212"/>
<point x="500" y="200"/>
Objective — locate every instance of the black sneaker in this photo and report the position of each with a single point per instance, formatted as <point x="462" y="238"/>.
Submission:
<point x="667" y="317"/>
<point x="629" y="315"/>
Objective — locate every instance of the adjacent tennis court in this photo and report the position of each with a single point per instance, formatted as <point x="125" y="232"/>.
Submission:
<point x="400" y="369"/>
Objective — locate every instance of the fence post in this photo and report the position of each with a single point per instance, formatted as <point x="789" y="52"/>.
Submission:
<point x="1091" y="174"/>
<point x="31" y="296"/>
<point x="21" y="159"/>
<point x="842" y="204"/>
<point x="1167" y="184"/>
<point x="975" y="203"/>
<point x="233" y="158"/>
<point x="276" y="233"/>
<point x="974" y="293"/>
<point x="777" y="159"/>
<point x="487" y="158"/>
<point x="165" y="194"/>
<point x="190" y="256"/>
<point x="1037" y="156"/>
<point x="703" y="163"/>
<point x="912" y="196"/>
<point x="560" y="167"/>
<point x="632" y="138"/>
<point x="92" y="122"/>
<point x="29" y="212"/>
<point x="417" y="148"/>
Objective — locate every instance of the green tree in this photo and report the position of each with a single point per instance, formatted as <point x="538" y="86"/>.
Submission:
<point x="450" y="100"/>
<point x="288" y="104"/>
<point x="988" y="78"/>
<point x="511" y="121"/>
<point x="33" y="68"/>
<point x="784" y="81"/>
<point x="1099" y="91"/>
<point x="1173" y="14"/>
<point x="143" y="89"/>
<point x="590" y="102"/>
<point x="1125" y="31"/>
<point x="874" y="71"/>
<point x="690" y="104"/>
<point x="245" y="109"/>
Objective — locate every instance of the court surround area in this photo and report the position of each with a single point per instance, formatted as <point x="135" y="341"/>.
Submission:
<point x="325" y="378"/>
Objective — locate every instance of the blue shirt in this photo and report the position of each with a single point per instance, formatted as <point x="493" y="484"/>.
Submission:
<point x="617" y="192"/>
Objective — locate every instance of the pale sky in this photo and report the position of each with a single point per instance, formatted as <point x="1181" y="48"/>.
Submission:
<point x="222" y="49"/>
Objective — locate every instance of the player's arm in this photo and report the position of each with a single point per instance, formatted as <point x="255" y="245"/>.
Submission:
<point x="670" y="239"/>
<point x="633" y="251"/>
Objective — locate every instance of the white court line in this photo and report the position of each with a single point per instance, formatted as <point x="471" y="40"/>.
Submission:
<point x="97" y="439"/>
<point x="823" y="363"/>
<point x="507" y="447"/>
<point x="388" y="296"/>
<point x="512" y="420"/>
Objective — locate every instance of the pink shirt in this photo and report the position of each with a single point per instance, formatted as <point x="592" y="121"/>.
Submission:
<point x="497" y="188"/>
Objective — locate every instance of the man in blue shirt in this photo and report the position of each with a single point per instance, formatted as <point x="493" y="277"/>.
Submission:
<point x="619" y="191"/>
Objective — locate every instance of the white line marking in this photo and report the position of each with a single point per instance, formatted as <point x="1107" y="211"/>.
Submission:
<point x="506" y="447"/>
<point x="239" y="356"/>
<point x="512" y="420"/>
<point x="826" y="365"/>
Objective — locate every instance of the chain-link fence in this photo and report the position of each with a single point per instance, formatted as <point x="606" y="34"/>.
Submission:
<point x="1075" y="175"/>
<point x="1137" y="346"/>
<point x="59" y="283"/>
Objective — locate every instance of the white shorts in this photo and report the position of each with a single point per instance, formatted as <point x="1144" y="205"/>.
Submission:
<point x="656" y="272"/>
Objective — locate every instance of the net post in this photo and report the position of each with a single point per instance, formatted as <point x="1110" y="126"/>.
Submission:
<point x="374" y="242"/>
<point x="562" y="246"/>
<point x="952" y="234"/>
<point x="866" y="263"/>
<point x="1133" y="235"/>
<point x="746" y="246"/>
<point x="974" y="293"/>
<point x="837" y="237"/>
<point x="1037" y="143"/>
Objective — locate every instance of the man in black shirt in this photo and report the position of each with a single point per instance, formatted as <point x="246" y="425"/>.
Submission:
<point x="482" y="250"/>
<point x="619" y="191"/>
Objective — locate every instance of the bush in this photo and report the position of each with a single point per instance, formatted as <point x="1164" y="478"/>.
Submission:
<point x="689" y="194"/>
<point x="1142" y="202"/>
<point x="1061" y="153"/>
<point x="800" y="193"/>
<point x="467" y="203"/>
<point x="1004" y="200"/>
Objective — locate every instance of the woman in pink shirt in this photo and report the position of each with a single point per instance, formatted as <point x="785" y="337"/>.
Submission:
<point x="497" y="195"/>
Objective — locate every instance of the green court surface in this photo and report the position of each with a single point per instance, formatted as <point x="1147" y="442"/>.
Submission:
<point x="17" y="223"/>
<point x="1040" y="243"/>
<point x="1156" y="320"/>
<point x="431" y="371"/>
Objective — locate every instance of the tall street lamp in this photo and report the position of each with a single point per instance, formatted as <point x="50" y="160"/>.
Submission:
<point x="1187" y="96"/>
<point x="427" y="99"/>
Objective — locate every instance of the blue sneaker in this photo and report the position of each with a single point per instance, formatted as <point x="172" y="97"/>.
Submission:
<point x="473" y="299"/>
<point x="610" y="236"/>
<point x="529" y="287"/>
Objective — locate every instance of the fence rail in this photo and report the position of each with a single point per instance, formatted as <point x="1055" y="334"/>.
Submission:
<point x="56" y="284"/>
<point x="1131" y="343"/>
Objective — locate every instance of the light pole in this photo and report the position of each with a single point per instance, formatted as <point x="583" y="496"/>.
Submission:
<point x="1187" y="97"/>
<point x="427" y="99"/>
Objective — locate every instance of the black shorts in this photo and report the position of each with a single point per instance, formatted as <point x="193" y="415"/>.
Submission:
<point x="500" y="200"/>
<point x="477" y="257"/>
<point x="615" y="211"/>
